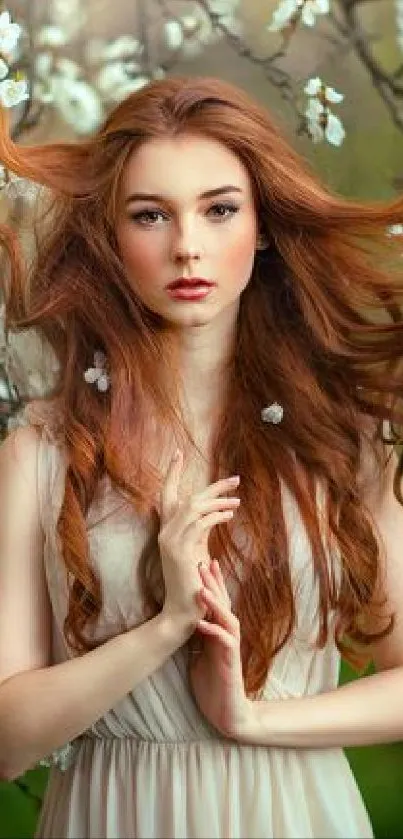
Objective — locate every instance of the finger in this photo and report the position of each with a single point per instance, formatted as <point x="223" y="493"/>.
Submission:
<point x="207" y="522"/>
<point x="216" y="631"/>
<point x="221" y="613"/>
<point x="220" y="486"/>
<point x="209" y="581"/>
<point x="169" y="489"/>
<point x="199" y="510"/>
<point x="218" y="576"/>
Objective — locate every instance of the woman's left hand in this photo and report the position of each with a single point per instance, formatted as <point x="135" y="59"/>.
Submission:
<point x="216" y="671"/>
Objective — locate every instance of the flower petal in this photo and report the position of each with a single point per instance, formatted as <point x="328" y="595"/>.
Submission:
<point x="333" y="96"/>
<point x="334" y="131"/>
<point x="313" y="86"/>
<point x="273" y="413"/>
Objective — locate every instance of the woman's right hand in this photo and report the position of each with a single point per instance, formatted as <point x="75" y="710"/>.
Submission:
<point x="183" y="537"/>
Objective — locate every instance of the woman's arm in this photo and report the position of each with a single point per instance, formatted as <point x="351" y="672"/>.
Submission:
<point x="361" y="713"/>
<point x="366" y="711"/>
<point x="42" y="707"/>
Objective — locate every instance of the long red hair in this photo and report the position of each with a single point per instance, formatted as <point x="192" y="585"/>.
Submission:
<point x="319" y="331"/>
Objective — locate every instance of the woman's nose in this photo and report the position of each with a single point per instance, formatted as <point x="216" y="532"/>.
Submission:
<point x="186" y="245"/>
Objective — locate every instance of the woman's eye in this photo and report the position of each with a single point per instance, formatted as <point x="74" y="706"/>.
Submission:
<point x="222" y="211"/>
<point x="150" y="217"/>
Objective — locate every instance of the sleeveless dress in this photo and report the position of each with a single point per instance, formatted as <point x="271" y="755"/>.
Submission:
<point x="153" y="766"/>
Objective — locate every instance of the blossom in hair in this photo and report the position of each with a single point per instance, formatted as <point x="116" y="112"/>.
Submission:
<point x="322" y="123"/>
<point x="290" y="11"/>
<point x="395" y="230"/>
<point x="273" y="413"/>
<point x="98" y="374"/>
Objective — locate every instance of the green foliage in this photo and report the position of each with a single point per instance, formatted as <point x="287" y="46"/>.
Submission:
<point x="20" y="803"/>
<point x="379" y="773"/>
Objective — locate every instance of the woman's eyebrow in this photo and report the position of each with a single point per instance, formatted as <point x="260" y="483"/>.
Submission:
<point x="150" y="196"/>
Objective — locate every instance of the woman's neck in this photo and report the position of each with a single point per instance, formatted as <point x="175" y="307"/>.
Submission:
<point x="204" y="357"/>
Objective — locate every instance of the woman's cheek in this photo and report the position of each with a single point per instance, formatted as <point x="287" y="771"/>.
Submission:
<point x="140" y="262"/>
<point x="238" y="260"/>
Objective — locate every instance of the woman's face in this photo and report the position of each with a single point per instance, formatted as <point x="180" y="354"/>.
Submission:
<point x="186" y="212"/>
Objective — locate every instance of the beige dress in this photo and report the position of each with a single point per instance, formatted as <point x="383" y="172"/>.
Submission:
<point x="152" y="766"/>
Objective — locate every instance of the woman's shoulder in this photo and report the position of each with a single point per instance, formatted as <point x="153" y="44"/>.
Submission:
<point x="45" y="416"/>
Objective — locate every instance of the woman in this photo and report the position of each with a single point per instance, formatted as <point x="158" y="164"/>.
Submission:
<point x="200" y="520"/>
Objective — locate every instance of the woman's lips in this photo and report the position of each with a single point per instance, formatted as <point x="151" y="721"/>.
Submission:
<point x="189" y="289"/>
<point x="187" y="292"/>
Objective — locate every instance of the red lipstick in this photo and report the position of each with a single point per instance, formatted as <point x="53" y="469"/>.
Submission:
<point x="195" y="288"/>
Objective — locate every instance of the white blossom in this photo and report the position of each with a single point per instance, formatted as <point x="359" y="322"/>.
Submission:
<point x="43" y="64"/>
<point x="222" y="8"/>
<point x="4" y="68"/>
<point x="273" y="413"/>
<point x="283" y="15"/>
<point x="23" y="188"/>
<point x="203" y="34"/>
<point x="314" y="114"/>
<point x="98" y="374"/>
<point x="120" y="91"/>
<point x="68" y="68"/>
<point x="305" y="10"/>
<point x="225" y="11"/>
<point x="333" y="96"/>
<point x="189" y="24"/>
<point x="52" y="36"/>
<point x="13" y="92"/>
<point x="173" y="34"/>
<point x="311" y="9"/>
<point x="62" y="757"/>
<point x="3" y="183"/>
<point x="399" y="22"/>
<point x="232" y="24"/>
<point x="334" y="130"/>
<point x="114" y="82"/>
<point x="322" y="123"/>
<point x="78" y="103"/>
<point x="125" y="46"/>
<point x="313" y="86"/>
<point x="9" y="33"/>
<point x="42" y="92"/>
<point x="395" y="230"/>
<point x="158" y="73"/>
<point x="69" y="15"/>
<point x="110" y="77"/>
<point x="132" y="86"/>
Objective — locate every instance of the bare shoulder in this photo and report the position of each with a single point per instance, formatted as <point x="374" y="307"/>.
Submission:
<point x="21" y="443"/>
<point x="24" y="631"/>
<point x="18" y="461"/>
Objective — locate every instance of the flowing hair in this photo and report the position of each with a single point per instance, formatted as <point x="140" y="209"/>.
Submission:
<point x="319" y="331"/>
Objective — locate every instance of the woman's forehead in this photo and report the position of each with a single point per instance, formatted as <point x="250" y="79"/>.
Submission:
<point x="202" y="164"/>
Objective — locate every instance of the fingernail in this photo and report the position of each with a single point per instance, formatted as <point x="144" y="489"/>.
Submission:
<point x="235" y="479"/>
